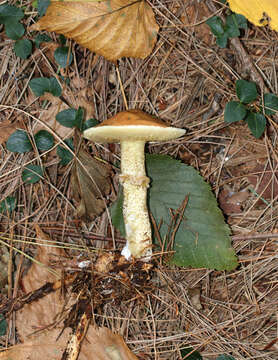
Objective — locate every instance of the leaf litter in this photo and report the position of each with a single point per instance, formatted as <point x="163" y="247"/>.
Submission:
<point x="181" y="82"/>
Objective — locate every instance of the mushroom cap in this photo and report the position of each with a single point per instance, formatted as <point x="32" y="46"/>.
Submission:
<point x="132" y="125"/>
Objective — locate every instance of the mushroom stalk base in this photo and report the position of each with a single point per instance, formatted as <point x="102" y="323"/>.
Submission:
<point x="135" y="212"/>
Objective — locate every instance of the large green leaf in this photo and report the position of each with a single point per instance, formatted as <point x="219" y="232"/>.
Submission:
<point x="202" y="238"/>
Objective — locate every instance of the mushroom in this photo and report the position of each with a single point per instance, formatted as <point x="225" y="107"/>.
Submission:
<point x="133" y="128"/>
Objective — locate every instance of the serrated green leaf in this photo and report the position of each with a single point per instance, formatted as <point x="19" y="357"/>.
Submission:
<point x="225" y="357"/>
<point x="32" y="174"/>
<point x="89" y="123"/>
<point x="234" y="111"/>
<point x="14" y="30"/>
<point x="40" y="38"/>
<point x="63" y="56"/>
<point x="10" y="13"/>
<point x="54" y="87"/>
<point x="222" y="40"/>
<point x="42" y="6"/>
<point x="194" y="356"/>
<point x="44" y="140"/>
<point x="256" y="123"/>
<point x="246" y="91"/>
<point x="64" y="154"/>
<point x="8" y="204"/>
<point x="116" y="211"/>
<point x="203" y="238"/>
<point x="23" y="48"/>
<point x="270" y="103"/>
<point x="67" y="117"/>
<point x="19" y="142"/>
<point x="216" y="25"/>
<point x="3" y="325"/>
<point x="79" y="118"/>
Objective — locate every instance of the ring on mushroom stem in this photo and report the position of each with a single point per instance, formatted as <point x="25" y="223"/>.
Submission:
<point x="132" y="129"/>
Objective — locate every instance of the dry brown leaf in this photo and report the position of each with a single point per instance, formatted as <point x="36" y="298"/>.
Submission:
<point x="113" y="28"/>
<point x="6" y="129"/>
<point x="90" y="185"/>
<point x="39" y="315"/>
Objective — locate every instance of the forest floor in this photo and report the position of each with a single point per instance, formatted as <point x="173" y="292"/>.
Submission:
<point x="186" y="81"/>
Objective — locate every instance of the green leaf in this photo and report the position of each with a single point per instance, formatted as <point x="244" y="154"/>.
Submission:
<point x="225" y="357"/>
<point x="234" y="111"/>
<point x="44" y="140"/>
<point x="222" y="40"/>
<point x="3" y="325"/>
<point x="32" y="174"/>
<point x="67" y="117"/>
<point x="54" y="87"/>
<point x="8" y="204"/>
<point x="270" y="103"/>
<point x="64" y="154"/>
<point x="40" y="38"/>
<point x="216" y="25"/>
<point x="39" y="86"/>
<point x="14" y="30"/>
<point x="63" y="56"/>
<point x="79" y="118"/>
<point x="194" y="356"/>
<point x="23" y="48"/>
<point x="19" y="142"/>
<point x="203" y="238"/>
<point x="240" y="20"/>
<point x="116" y="211"/>
<point x="10" y="13"/>
<point x="89" y="123"/>
<point x="246" y="91"/>
<point x="231" y="27"/>
<point x="42" y="6"/>
<point x="256" y="123"/>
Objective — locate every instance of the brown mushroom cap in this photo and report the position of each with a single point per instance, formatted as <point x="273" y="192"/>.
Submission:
<point x="132" y="125"/>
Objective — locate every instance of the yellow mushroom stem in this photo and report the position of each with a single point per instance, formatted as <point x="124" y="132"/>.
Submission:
<point x="135" y="184"/>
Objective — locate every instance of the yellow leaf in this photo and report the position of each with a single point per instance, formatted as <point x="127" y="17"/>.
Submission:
<point x="114" y="28"/>
<point x="259" y="12"/>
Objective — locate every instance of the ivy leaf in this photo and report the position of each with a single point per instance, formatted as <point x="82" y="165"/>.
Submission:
<point x="89" y="123"/>
<point x="40" y="38"/>
<point x="14" y="30"/>
<point x="216" y="25"/>
<point x="19" y="142"/>
<point x="225" y="357"/>
<point x="202" y="238"/>
<point x="234" y="111"/>
<point x="246" y="91"/>
<point x="42" y="6"/>
<point x="222" y="40"/>
<point x="44" y="140"/>
<point x="232" y="29"/>
<point x="195" y="355"/>
<point x="67" y="118"/>
<point x="256" y="123"/>
<point x="41" y="85"/>
<point x="64" y="154"/>
<point x="8" y="204"/>
<point x="23" y="48"/>
<point x="270" y="103"/>
<point x="32" y="174"/>
<point x="10" y="13"/>
<point x="63" y="56"/>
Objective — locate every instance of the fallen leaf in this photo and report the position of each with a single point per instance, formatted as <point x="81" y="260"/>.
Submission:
<point x="6" y="129"/>
<point x="259" y="12"/>
<point x="90" y="185"/>
<point x="113" y="28"/>
<point x="42" y="314"/>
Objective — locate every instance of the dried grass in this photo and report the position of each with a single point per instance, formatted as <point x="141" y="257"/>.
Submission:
<point x="186" y="81"/>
